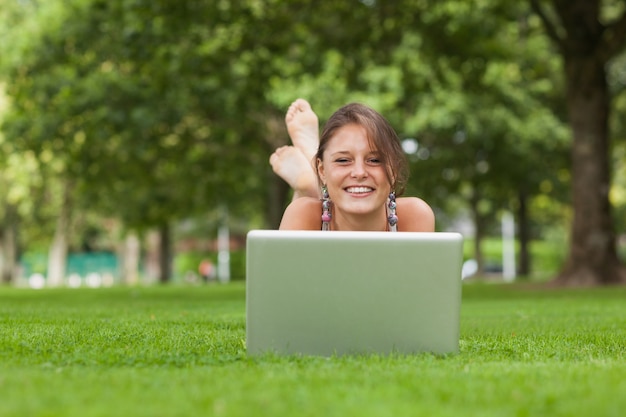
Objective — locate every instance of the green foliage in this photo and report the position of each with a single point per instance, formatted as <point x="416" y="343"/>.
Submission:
<point x="166" y="110"/>
<point x="34" y="263"/>
<point x="181" y="351"/>
<point x="140" y="96"/>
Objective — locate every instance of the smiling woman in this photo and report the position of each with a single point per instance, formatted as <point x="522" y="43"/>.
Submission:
<point x="360" y="168"/>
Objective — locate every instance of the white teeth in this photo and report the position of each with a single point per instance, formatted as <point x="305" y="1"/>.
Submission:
<point x="358" y="189"/>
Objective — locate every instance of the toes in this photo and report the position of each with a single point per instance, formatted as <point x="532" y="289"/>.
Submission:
<point x="299" y="105"/>
<point x="291" y="112"/>
<point x="302" y="105"/>
<point x="278" y="153"/>
<point x="275" y="157"/>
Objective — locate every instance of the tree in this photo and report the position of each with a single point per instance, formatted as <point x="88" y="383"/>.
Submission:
<point x="586" y="45"/>
<point x="143" y="91"/>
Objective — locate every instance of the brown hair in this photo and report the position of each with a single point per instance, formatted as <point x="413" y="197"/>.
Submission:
<point x="379" y="133"/>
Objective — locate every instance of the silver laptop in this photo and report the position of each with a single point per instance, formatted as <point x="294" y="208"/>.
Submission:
<point x="337" y="293"/>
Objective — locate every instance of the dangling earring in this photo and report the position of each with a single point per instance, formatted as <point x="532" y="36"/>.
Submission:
<point x="392" y="218"/>
<point x="326" y="216"/>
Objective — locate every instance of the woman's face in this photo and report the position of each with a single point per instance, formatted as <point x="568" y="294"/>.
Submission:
<point x="353" y="173"/>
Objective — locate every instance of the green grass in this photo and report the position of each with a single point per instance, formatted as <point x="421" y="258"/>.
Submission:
<point x="179" y="351"/>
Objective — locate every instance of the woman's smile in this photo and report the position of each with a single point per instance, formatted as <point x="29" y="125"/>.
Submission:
<point x="359" y="190"/>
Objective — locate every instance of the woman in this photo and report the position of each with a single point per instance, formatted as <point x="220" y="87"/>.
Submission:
<point x="360" y="168"/>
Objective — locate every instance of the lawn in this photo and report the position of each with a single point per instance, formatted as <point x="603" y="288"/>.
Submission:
<point x="180" y="351"/>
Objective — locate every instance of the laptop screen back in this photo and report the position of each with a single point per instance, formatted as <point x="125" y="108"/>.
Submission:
<point x="333" y="293"/>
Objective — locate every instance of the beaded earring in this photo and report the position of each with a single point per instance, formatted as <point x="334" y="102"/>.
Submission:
<point x="392" y="218"/>
<point x="326" y="215"/>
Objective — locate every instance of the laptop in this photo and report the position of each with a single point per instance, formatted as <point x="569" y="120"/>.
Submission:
<point x="344" y="293"/>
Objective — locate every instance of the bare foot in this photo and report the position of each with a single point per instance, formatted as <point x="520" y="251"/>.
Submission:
<point x="303" y="127"/>
<point x="291" y="165"/>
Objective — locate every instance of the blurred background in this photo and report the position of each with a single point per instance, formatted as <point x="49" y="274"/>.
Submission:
<point x="136" y="134"/>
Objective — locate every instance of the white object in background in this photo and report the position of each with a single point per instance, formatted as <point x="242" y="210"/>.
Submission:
<point x="74" y="281"/>
<point x="508" y="247"/>
<point x="469" y="269"/>
<point x="36" y="281"/>
<point x="108" y="280"/>
<point x="93" y="280"/>
<point x="223" y="250"/>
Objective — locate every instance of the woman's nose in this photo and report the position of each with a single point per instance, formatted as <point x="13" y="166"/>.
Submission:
<point x="359" y="170"/>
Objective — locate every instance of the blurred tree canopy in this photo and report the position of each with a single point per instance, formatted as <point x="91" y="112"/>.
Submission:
<point x="152" y="112"/>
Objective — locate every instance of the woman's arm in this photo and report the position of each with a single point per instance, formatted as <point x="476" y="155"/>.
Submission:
<point x="304" y="213"/>
<point x="415" y="215"/>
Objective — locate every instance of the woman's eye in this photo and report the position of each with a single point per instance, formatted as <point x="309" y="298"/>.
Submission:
<point x="342" y="160"/>
<point x="374" y="161"/>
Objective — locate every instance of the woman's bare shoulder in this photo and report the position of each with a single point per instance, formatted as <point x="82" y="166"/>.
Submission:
<point x="304" y="213"/>
<point x="415" y="215"/>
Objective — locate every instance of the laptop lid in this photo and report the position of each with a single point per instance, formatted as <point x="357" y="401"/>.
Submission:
<point x="334" y="293"/>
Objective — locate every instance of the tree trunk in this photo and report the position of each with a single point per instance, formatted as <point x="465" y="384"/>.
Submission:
<point x="593" y="257"/>
<point x="130" y="259"/>
<point x="152" y="260"/>
<point x="165" y="253"/>
<point x="277" y="200"/>
<point x="586" y="46"/>
<point x="8" y="245"/>
<point x="2" y="255"/>
<point x="158" y="260"/>
<point x="523" y="234"/>
<point x="478" y="234"/>
<point x="57" y="258"/>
